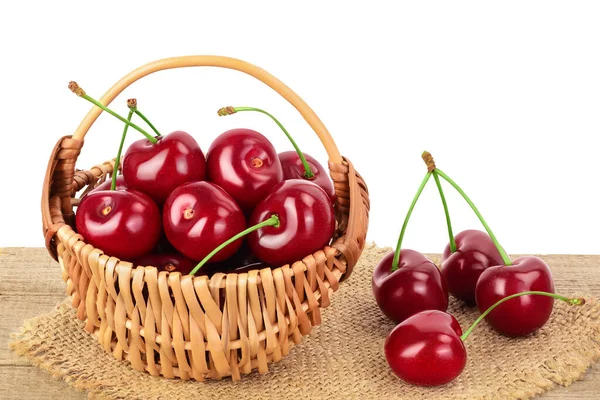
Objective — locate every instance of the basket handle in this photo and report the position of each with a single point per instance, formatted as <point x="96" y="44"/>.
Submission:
<point x="223" y="62"/>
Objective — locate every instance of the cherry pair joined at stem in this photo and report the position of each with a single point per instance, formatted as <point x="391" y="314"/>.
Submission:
<point x="156" y="165"/>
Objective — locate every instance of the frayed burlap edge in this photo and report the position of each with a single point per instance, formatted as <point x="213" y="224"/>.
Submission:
<point x="27" y="342"/>
<point x="341" y="359"/>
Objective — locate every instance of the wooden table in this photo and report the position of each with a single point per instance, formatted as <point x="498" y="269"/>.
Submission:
<point x="30" y="285"/>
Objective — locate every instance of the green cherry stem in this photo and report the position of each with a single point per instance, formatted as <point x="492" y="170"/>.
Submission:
<point x="503" y="254"/>
<point x="74" y="87"/>
<point x="428" y="158"/>
<point x="575" y="302"/>
<point x="146" y="120"/>
<point x="113" y="184"/>
<point x="448" y="222"/>
<point x="308" y="174"/>
<point x="272" y="221"/>
<point x="408" y="214"/>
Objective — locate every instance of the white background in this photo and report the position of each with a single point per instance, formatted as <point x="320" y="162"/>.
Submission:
<point x="505" y="95"/>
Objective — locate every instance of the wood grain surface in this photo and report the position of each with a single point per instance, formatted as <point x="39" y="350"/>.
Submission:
<point x="30" y="285"/>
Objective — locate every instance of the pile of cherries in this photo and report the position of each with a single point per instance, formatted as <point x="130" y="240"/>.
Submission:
<point x="242" y="206"/>
<point x="515" y="297"/>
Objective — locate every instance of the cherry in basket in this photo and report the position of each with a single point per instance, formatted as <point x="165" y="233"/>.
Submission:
<point x="118" y="181"/>
<point x="158" y="167"/>
<point x="427" y="349"/>
<point x="295" y="164"/>
<point x="245" y="164"/>
<point x="307" y="222"/>
<point x="171" y="262"/>
<point x="125" y="224"/>
<point x="405" y="281"/>
<point x="198" y="216"/>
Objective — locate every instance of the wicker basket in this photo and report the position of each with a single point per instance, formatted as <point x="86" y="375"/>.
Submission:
<point x="197" y="327"/>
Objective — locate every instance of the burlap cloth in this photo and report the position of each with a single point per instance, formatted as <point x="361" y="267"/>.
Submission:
<point x="341" y="359"/>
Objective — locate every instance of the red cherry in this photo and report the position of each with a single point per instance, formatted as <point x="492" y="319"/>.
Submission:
<point x="157" y="169"/>
<point x="426" y="349"/>
<point x="415" y="286"/>
<point x="294" y="169"/>
<point x="121" y="185"/>
<point x="199" y="216"/>
<point x="474" y="253"/>
<point x="245" y="164"/>
<point x="172" y="262"/>
<point x="523" y="315"/>
<point x="295" y="164"/>
<point x="123" y="224"/>
<point x="307" y="222"/>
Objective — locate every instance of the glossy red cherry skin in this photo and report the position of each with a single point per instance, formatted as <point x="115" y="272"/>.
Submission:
<point x="475" y="252"/>
<point x="307" y="223"/>
<point x="245" y="164"/>
<point x="172" y="262"/>
<point x="157" y="169"/>
<point x="522" y="315"/>
<point x="294" y="169"/>
<point x="416" y="285"/>
<point x="120" y="184"/>
<point x="426" y="349"/>
<point x="123" y="224"/>
<point x="199" y="216"/>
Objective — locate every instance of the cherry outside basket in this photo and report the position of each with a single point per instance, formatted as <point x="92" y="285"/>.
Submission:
<point x="195" y="327"/>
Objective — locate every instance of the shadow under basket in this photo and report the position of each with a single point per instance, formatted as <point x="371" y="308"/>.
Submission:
<point x="197" y="327"/>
